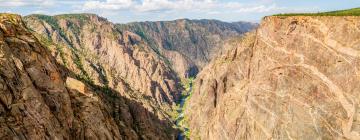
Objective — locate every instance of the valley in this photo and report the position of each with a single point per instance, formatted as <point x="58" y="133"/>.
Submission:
<point x="81" y="76"/>
<point x="180" y="120"/>
<point x="117" y="81"/>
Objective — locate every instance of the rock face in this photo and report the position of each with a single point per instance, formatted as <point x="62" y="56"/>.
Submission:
<point x="79" y="76"/>
<point x="42" y="99"/>
<point x="294" y="78"/>
<point x="188" y="45"/>
<point x="91" y="47"/>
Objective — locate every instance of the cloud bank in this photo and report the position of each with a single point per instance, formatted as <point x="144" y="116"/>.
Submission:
<point x="140" y="10"/>
<point x="177" y="5"/>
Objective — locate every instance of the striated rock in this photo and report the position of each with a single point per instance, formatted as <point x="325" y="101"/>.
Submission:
<point x="95" y="51"/>
<point x="188" y="45"/>
<point x="40" y="98"/>
<point x="294" y="78"/>
<point x="33" y="102"/>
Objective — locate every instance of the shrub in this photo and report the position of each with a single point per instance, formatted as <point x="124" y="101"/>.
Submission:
<point x="84" y="76"/>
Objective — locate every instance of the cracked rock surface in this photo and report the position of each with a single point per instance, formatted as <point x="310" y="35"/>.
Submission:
<point x="294" y="78"/>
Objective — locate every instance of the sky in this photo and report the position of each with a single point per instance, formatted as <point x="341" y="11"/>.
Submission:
<point x="124" y="11"/>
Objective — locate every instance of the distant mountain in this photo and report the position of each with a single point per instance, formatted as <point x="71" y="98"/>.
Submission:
<point x="188" y="45"/>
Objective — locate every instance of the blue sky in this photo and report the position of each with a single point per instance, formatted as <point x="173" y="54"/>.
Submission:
<point x="123" y="11"/>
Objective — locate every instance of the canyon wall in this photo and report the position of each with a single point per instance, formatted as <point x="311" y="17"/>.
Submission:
<point x="79" y="76"/>
<point x="40" y="98"/>
<point x="188" y="45"/>
<point x="90" y="46"/>
<point x="294" y="78"/>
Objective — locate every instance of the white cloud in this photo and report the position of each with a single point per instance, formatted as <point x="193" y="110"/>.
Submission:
<point x="208" y="6"/>
<point x="156" y="5"/>
<point x="108" y="5"/>
<point x="130" y="10"/>
<point x="147" y="5"/>
<point x="20" y="3"/>
<point x="12" y="3"/>
<point x="259" y="9"/>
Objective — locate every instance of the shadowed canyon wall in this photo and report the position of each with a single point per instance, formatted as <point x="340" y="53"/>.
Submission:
<point x="42" y="99"/>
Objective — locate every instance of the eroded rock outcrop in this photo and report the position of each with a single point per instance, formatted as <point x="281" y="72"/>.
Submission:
<point x="188" y="45"/>
<point x="91" y="47"/>
<point x="26" y="101"/>
<point x="295" y="78"/>
<point x="40" y="98"/>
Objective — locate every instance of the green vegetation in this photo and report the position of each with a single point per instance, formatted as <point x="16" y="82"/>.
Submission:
<point x="53" y="22"/>
<point x="50" y="20"/>
<point x="347" y="12"/>
<point x="139" y="30"/>
<point x="80" y="17"/>
<point x="76" y="30"/>
<point x="178" y="115"/>
<point x="83" y="76"/>
<point x="60" y="49"/>
<point x="174" y="112"/>
<point x="43" y="40"/>
<point x="147" y="39"/>
<point x="103" y="76"/>
<point x="186" y="83"/>
<point x="186" y="120"/>
<point x="48" y="43"/>
<point x="78" y="56"/>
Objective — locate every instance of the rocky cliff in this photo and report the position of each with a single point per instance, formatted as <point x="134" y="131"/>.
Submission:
<point x="79" y="76"/>
<point x="294" y="78"/>
<point x="91" y="47"/>
<point x="188" y="45"/>
<point x="47" y="94"/>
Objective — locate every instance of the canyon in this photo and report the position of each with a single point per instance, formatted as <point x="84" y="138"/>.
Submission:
<point x="188" y="45"/>
<point x="80" y="76"/>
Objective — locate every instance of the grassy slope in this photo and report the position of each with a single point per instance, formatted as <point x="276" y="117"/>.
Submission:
<point x="347" y="12"/>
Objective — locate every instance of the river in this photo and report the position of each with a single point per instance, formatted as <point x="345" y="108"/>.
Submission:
<point x="181" y="135"/>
